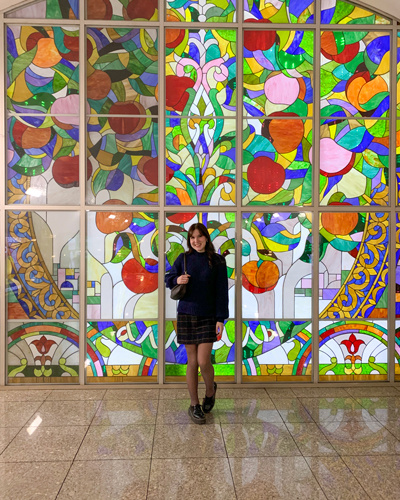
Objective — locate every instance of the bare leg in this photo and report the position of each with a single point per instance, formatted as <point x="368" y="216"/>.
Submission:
<point x="192" y="370"/>
<point x="206" y="367"/>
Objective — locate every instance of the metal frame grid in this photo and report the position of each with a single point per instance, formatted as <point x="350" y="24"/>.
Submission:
<point x="238" y="209"/>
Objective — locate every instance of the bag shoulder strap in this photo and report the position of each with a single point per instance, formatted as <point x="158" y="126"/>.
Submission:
<point x="184" y="262"/>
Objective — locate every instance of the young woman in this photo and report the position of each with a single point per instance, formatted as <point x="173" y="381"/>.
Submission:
<point x="201" y="313"/>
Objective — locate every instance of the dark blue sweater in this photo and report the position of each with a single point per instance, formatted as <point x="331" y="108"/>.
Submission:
<point x="207" y="290"/>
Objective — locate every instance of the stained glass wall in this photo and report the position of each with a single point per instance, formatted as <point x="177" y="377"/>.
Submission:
<point x="222" y="233"/>
<point x="275" y="123"/>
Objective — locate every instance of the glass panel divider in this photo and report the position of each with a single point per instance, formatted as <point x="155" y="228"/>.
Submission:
<point x="3" y="163"/>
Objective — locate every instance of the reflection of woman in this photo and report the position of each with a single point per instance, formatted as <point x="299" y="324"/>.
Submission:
<point x="201" y="313"/>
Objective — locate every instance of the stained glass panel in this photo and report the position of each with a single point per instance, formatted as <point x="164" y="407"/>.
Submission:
<point x="275" y="351"/>
<point x="47" y="9"/>
<point x="221" y="227"/>
<point x="222" y="354"/>
<point x="353" y="269"/>
<point x="353" y="350"/>
<point x="279" y="11"/>
<point x="339" y="12"/>
<point x="43" y="352"/>
<point x="200" y="162"/>
<point x="277" y="162"/>
<point x="43" y="160"/>
<point x="123" y="155"/>
<point x="42" y="69"/>
<point x="122" y="265"/>
<point x="122" y="351"/>
<point x="43" y="265"/>
<point x="397" y="265"/>
<point x="278" y="73"/>
<point x="276" y="266"/>
<point x="122" y="10"/>
<point x="355" y="73"/>
<point x="398" y="161"/>
<point x="354" y="162"/>
<point x="122" y="71"/>
<point x="200" y="72"/>
<point x="397" y="352"/>
<point x="201" y="11"/>
<point x="398" y="74"/>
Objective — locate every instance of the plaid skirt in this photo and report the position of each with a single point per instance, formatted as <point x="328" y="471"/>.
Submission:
<point x="196" y="329"/>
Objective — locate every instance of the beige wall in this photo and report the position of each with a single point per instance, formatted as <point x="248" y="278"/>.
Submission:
<point x="389" y="6"/>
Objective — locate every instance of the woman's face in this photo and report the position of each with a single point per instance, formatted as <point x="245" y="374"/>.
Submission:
<point x="198" y="241"/>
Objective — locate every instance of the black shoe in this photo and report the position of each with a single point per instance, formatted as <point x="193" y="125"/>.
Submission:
<point x="196" y="414"/>
<point x="209" y="402"/>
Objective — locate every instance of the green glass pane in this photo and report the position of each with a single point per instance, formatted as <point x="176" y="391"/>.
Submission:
<point x="201" y="11"/>
<point x="277" y="77"/>
<point x="43" y="352"/>
<point x="339" y="12"/>
<point x="122" y="351"/>
<point x="200" y="72"/>
<point x="353" y="254"/>
<point x="280" y="11"/>
<point x="122" y="69"/>
<point x="277" y="162"/>
<point x="354" y="162"/>
<point x="355" y="74"/>
<point x="351" y="350"/>
<point x="123" y="10"/>
<point x="123" y="159"/>
<point x="201" y="162"/>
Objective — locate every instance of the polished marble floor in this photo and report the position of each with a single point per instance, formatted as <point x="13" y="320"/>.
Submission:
<point x="300" y="443"/>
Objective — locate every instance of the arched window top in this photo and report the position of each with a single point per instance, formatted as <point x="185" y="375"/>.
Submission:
<point x="274" y="11"/>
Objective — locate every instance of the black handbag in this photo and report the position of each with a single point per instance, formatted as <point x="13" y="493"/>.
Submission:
<point x="179" y="290"/>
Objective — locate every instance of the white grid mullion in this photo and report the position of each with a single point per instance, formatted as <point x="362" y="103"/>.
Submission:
<point x="161" y="194"/>
<point x="391" y="320"/>
<point x="82" y="192"/>
<point x="315" y="197"/>
<point x="238" y="183"/>
<point x="3" y="162"/>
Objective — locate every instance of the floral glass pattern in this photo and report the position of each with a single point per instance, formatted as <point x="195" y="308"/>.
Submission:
<point x="278" y="73"/>
<point x="276" y="266"/>
<point x="122" y="71"/>
<point x="123" y="156"/>
<point x="42" y="69"/>
<point x="122" y="351"/>
<point x="201" y="11"/>
<point x="355" y="74"/>
<point x="276" y="350"/>
<point x="200" y="162"/>
<point x="354" y="162"/>
<point x="122" y="265"/>
<point x="122" y="10"/>
<point x="46" y="352"/>
<point x="43" y="160"/>
<point x="43" y="265"/>
<point x="279" y="11"/>
<point x="200" y="72"/>
<point x="221" y="227"/>
<point x="47" y="9"/>
<point x="276" y="162"/>
<point x="339" y="12"/>
<point x="354" y="249"/>
<point x="353" y="350"/>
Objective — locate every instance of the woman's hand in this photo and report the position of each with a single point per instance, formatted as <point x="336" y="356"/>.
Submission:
<point x="182" y="280"/>
<point x="219" y="329"/>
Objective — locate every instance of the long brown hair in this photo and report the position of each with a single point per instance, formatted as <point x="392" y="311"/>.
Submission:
<point x="209" y="249"/>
